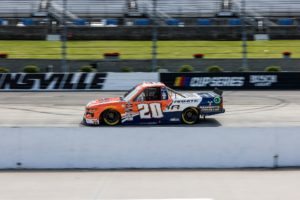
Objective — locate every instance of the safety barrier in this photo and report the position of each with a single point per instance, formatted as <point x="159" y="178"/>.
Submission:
<point x="73" y="81"/>
<point x="148" y="147"/>
<point x="124" y="81"/>
<point x="231" y="80"/>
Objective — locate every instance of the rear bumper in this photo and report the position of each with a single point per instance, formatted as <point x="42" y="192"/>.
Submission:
<point x="214" y="112"/>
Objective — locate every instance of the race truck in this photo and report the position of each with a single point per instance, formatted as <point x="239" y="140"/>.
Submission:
<point x="153" y="103"/>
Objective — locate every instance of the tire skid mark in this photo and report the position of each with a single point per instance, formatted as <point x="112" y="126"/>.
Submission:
<point x="35" y="111"/>
<point x="281" y="103"/>
<point x="53" y="106"/>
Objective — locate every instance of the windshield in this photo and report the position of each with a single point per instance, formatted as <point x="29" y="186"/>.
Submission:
<point x="128" y="95"/>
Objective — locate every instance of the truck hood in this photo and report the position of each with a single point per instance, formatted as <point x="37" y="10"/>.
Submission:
<point x="103" y="101"/>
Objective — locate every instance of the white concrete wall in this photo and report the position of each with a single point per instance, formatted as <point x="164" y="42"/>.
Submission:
<point x="148" y="147"/>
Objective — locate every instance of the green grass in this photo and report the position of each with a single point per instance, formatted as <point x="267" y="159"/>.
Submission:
<point x="142" y="49"/>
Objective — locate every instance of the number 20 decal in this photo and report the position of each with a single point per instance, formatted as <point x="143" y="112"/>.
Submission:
<point x="148" y="111"/>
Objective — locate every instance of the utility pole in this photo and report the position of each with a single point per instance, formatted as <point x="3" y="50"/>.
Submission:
<point x="64" y="64"/>
<point x="154" y="36"/>
<point x="244" y="35"/>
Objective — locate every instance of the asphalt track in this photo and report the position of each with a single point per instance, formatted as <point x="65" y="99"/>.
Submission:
<point x="65" y="109"/>
<point x="170" y="184"/>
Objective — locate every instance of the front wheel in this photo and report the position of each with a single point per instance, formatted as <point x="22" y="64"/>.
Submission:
<point x="111" y="117"/>
<point x="190" y="116"/>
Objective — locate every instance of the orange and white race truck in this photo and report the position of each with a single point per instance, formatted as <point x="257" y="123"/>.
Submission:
<point x="153" y="103"/>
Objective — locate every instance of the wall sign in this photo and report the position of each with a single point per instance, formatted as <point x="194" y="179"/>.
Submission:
<point x="227" y="80"/>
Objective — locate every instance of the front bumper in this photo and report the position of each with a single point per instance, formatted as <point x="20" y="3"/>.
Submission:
<point x="90" y="121"/>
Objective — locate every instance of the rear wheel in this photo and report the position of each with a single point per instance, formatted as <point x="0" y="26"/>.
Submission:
<point x="190" y="116"/>
<point x="111" y="117"/>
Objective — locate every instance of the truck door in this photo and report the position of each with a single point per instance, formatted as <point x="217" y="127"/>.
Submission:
<point x="149" y="104"/>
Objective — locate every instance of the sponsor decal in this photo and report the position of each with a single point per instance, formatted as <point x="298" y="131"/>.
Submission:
<point x="129" y="113"/>
<point x="174" y="120"/>
<point x="238" y="81"/>
<point x="209" y="103"/>
<point x="128" y="107"/>
<point x="263" y="80"/>
<point x="209" y="108"/>
<point x="187" y="101"/>
<point x="232" y="80"/>
<point x="52" y="81"/>
<point x="182" y="81"/>
<point x="129" y="116"/>
<point x="92" y="121"/>
<point x="174" y="107"/>
<point x="217" y="100"/>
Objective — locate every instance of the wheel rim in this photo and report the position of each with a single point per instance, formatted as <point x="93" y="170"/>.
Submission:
<point x="111" y="117"/>
<point x="190" y="116"/>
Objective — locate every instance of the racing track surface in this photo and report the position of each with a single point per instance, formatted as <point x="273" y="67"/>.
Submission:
<point x="65" y="109"/>
<point x="150" y="184"/>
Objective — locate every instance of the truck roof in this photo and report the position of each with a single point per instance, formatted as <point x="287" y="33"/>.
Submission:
<point x="152" y="84"/>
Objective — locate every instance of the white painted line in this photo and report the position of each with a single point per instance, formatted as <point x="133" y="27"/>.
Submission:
<point x="166" y="199"/>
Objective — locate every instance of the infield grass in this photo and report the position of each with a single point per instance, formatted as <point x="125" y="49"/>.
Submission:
<point x="142" y="49"/>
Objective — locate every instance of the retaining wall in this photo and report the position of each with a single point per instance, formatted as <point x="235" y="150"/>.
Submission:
<point x="124" y="81"/>
<point x="148" y="147"/>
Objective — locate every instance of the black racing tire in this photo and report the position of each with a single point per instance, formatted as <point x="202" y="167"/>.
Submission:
<point x="190" y="116"/>
<point x="111" y="117"/>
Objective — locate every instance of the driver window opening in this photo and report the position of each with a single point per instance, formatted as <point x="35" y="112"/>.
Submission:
<point x="150" y="94"/>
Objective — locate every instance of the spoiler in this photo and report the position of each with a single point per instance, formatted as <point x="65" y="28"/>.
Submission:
<point x="218" y="91"/>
